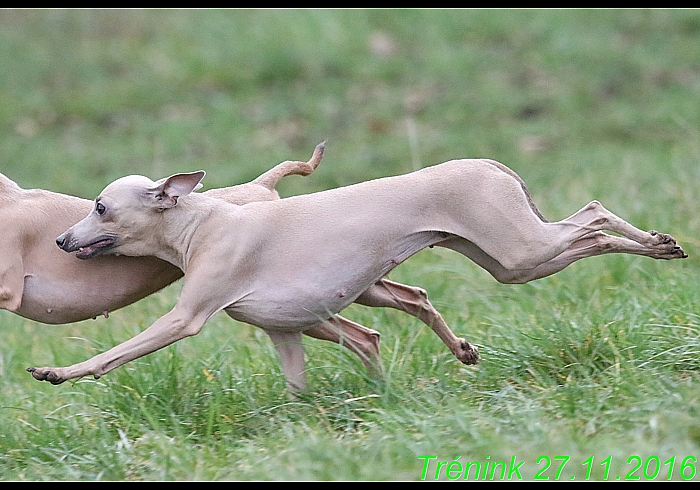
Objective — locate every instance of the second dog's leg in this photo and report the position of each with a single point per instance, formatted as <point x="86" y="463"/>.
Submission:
<point x="414" y="301"/>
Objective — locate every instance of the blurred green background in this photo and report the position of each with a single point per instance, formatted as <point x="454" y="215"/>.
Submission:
<point x="601" y="359"/>
<point x="91" y="95"/>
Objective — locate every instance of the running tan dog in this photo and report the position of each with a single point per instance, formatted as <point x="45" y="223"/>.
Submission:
<point x="292" y="264"/>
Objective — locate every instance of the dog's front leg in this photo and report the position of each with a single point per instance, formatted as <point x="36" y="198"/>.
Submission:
<point x="291" y="352"/>
<point x="175" y="325"/>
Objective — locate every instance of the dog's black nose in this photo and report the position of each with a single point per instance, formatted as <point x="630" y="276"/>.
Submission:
<point x="61" y="241"/>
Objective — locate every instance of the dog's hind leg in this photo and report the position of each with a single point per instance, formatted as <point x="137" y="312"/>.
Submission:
<point x="594" y="217"/>
<point x="550" y="247"/>
<point x="414" y="301"/>
<point x="501" y="219"/>
<point x="593" y="244"/>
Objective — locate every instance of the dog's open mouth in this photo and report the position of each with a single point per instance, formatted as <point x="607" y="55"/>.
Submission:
<point x="98" y="247"/>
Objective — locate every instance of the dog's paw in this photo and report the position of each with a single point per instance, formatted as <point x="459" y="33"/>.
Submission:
<point x="467" y="353"/>
<point x="678" y="253"/>
<point x="667" y="245"/>
<point x="46" y="374"/>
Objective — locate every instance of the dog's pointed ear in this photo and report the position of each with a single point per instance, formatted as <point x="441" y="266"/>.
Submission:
<point x="168" y="190"/>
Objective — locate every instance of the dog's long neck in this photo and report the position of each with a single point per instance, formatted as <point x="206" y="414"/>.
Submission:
<point x="180" y="226"/>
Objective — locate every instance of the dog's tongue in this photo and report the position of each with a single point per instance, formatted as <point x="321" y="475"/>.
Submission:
<point x="85" y="252"/>
<point x="89" y="250"/>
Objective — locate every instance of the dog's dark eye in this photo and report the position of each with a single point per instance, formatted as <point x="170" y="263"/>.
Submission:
<point x="100" y="208"/>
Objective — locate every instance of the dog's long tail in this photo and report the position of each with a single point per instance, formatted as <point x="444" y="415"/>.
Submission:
<point x="270" y="178"/>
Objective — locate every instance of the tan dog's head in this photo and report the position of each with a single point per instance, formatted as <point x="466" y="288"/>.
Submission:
<point x="126" y="215"/>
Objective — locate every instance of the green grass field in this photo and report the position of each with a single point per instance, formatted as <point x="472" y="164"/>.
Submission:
<point x="590" y="373"/>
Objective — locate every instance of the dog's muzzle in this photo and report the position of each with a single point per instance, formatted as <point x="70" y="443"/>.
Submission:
<point x="97" y="246"/>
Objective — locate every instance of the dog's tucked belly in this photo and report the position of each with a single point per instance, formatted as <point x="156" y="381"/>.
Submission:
<point x="320" y="290"/>
<point x="286" y="315"/>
